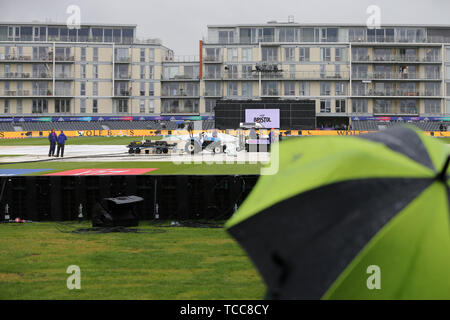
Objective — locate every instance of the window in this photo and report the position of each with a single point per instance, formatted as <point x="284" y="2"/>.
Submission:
<point x="152" y="55"/>
<point x="83" y="106"/>
<point x="325" y="54"/>
<point x="304" y="54"/>
<point x="232" y="55"/>
<point x="213" y="54"/>
<point x="432" y="89"/>
<point x="142" y="55"/>
<point x="62" y="106"/>
<point x="232" y="88"/>
<point x="325" y="88"/>
<point x="122" y="106"/>
<point x="325" y="106"/>
<point x="340" y="88"/>
<point x="151" y="89"/>
<point x="212" y="72"/>
<point x="142" y="72"/>
<point x="408" y="106"/>
<point x="95" y="89"/>
<point x="83" y="71"/>
<point x="289" y="88"/>
<point x="340" y="54"/>
<point x="210" y="104"/>
<point x="360" y="54"/>
<point x="142" y="89"/>
<point x="83" y="54"/>
<point x="433" y="72"/>
<point x="6" y="106"/>
<point x="270" y="88"/>
<point x="307" y="35"/>
<point x="357" y="35"/>
<point x="151" y="106"/>
<point x="382" y="107"/>
<point x="95" y="54"/>
<point x="287" y="35"/>
<point x="151" y="72"/>
<point x="142" y="106"/>
<point x="39" y="106"/>
<point x="304" y="88"/>
<point x="19" y="106"/>
<point x="95" y="71"/>
<point x="247" y="54"/>
<point x="269" y="54"/>
<point x="289" y="54"/>
<point x="82" y="88"/>
<point x="433" y="106"/>
<point x="340" y="106"/>
<point x="247" y="89"/>
<point x="62" y="88"/>
<point x="359" y="106"/>
<point x="247" y="71"/>
<point x="95" y="106"/>
<point x="97" y="34"/>
<point x="213" y="89"/>
<point x="226" y="37"/>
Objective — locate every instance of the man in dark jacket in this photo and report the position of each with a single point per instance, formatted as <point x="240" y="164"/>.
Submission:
<point x="61" y="143"/>
<point x="52" y="138"/>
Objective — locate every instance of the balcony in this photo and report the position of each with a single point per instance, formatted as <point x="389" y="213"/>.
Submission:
<point x="413" y="76"/>
<point x="122" y="93"/>
<point x="182" y="58"/>
<point x="122" y="76"/>
<point x="25" y="59"/>
<point x="281" y="75"/>
<point x="396" y="93"/>
<point x="180" y="77"/>
<point x="212" y="59"/>
<point x="64" y="59"/>
<point x="396" y="59"/>
<point x="64" y="76"/>
<point x="122" y="60"/>
<point x="180" y="94"/>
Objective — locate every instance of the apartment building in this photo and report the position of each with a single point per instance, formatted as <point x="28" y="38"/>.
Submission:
<point x="48" y="69"/>
<point x="349" y="70"/>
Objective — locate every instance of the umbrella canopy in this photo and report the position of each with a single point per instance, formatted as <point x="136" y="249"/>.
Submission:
<point x="339" y="206"/>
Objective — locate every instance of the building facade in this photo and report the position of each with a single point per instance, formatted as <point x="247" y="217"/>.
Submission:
<point x="349" y="70"/>
<point x="48" y="69"/>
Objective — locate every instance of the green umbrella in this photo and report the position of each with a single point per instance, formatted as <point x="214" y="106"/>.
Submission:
<point x="355" y="217"/>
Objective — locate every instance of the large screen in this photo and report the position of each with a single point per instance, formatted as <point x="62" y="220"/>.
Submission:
<point x="268" y="118"/>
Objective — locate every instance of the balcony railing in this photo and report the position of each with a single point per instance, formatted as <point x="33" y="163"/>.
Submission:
<point x="122" y="93"/>
<point x="396" y="59"/>
<point x="282" y="75"/>
<point x="16" y="58"/>
<point x="122" y="76"/>
<point x="181" y="58"/>
<point x="180" y="77"/>
<point x="122" y="59"/>
<point x="212" y="59"/>
<point x="396" y="76"/>
<point x="395" y="93"/>
<point x="180" y="93"/>
<point x="63" y="76"/>
<point x="15" y="75"/>
<point x="64" y="58"/>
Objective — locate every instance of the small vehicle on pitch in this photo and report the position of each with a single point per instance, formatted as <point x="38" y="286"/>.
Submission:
<point x="149" y="146"/>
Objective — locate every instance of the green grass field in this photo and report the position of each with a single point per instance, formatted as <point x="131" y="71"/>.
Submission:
<point x="181" y="263"/>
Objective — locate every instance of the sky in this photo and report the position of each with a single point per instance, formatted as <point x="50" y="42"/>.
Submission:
<point x="182" y="23"/>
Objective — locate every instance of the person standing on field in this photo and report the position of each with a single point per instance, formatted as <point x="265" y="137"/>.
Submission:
<point x="61" y="143"/>
<point x="52" y="138"/>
